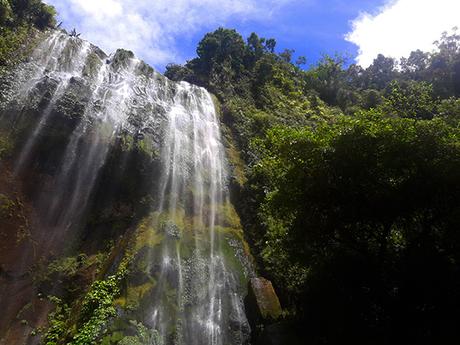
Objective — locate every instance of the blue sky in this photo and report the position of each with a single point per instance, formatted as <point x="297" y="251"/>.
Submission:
<point x="314" y="28"/>
<point x="162" y="31"/>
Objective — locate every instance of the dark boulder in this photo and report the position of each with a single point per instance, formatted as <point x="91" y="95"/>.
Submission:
<point x="262" y="302"/>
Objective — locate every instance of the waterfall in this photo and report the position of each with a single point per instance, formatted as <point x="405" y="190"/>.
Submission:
<point x="186" y="264"/>
<point x="193" y="158"/>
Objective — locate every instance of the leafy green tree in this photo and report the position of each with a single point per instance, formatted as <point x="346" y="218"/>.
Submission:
<point x="17" y="17"/>
<point x="327" y="78"/>
<point x="44" y="15"/>
<point x="443" y="66"/>
<point x="270" y="45"/>
<point x="449" y="110"/>
<point x="357" y="216"/>
<point x="412" y="99"/>
<point x="220" y="64"/>
<point x="178" y="72"/>
<point x="286" y="55"/>
<point x="371" y="98"/>
<point x="255" y="44"/>
<point x="34" y="12"/>
<point x="301" y="60"/>
<point x="416" y="63"/>
<point x="380" y="73"/>
<point x="221" y="46"/>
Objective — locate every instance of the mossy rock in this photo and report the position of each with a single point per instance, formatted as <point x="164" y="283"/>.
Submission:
<point x="147" y="235"/>
<point x="71" y="106"/>
<point x="134" y="295"/>
<point x="6" y="145"/>
<point x="93" y="63"/>
<point x="121" y="59"/>
<point x="7" y="207"/>
<point x="262" y="303"/>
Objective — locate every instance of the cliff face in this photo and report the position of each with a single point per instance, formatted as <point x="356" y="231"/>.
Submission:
<point x="115" y="218"/>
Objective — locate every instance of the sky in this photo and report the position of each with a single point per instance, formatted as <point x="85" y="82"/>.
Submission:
<point x="168" y="31"/>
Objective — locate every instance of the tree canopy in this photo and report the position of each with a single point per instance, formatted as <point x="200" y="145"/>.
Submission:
<point x="17" y="18"/>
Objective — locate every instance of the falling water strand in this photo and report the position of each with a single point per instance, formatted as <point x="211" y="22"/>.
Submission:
<point x="72" y="64"/>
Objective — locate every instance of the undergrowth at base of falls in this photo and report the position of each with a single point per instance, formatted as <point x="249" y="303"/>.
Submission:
<point x="145" y="336"/>
<point x="98" y="308"/>
<point x="95" y="311"/>
<point x="57" y="322"/>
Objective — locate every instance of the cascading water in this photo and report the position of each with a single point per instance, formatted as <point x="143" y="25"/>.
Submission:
<point x="193" y="182"/>
<point x="66" y="63"/>
<point x="187" y="276"/>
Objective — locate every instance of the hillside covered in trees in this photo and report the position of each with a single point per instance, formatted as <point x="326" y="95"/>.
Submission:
<point x="345" y="180"/>
<point x="348" y="191"/>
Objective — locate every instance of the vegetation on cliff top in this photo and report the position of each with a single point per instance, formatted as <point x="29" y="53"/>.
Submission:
<point x="17" y="19"/>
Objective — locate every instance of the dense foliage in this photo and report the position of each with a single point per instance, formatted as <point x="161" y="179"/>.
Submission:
<point x="354" y="87"/>
<point x="360" y="220"/>
<point x="17" y="18"/>
<point x="350" y="196"/>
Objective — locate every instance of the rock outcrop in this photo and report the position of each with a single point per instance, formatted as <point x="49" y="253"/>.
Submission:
<point x="262" y="302"/>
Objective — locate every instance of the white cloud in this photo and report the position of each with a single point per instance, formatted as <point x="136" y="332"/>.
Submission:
<point x="150" y="28"/>
<point x="402" y="26"/>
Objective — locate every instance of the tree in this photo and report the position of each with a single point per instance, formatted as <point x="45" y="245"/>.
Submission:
<point x="33" y="12"/>
<point x="220" y="64"/>
<point x="328" y="77"/>
<point x="380" y="73"/>
<point x="449" y="44"/>
<point x="17" y="17"/>
<point x="411" y="99"/>
<point x="178" y="72"/>
<point x="270" y="45"/>
<point x="444" y="69"/>
<point x="220" y="46"/>
<point x="286" y="55"/>
<point x="44" y="16"/>
<point x="255" y="44"/>
<point x="301" y="60"/>
<point x="416" y="63"/>
<point x="449" y="110"/>
<point x="371" y="98"/>
<point x="357" y="216"/>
